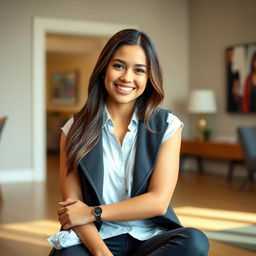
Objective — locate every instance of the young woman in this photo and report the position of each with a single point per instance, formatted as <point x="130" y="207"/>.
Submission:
<point x="119" y="160"/>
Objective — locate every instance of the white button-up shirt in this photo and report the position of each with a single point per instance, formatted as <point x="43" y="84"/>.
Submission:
<point x="118" y="161"/>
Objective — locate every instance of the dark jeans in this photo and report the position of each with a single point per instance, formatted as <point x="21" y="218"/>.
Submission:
<point x="178" y="242"/>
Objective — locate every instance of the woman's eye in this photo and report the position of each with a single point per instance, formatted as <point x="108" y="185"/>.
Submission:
<point x="118" y="66"/>
<point x="140" y="70"/>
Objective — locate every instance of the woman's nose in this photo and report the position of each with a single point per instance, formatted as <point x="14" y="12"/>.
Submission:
<point x="127" y="76"/>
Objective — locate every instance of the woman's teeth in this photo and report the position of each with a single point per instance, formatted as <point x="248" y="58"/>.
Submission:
<point x="126" y="89"/>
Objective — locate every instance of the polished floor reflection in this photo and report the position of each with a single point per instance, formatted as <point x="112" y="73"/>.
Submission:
<point x="28" y="211"/>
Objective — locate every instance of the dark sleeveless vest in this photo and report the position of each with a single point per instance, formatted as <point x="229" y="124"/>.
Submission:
<point x="148" y="144"/>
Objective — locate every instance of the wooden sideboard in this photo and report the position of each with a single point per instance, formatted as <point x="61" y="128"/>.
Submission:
<point x="231" y="152"/>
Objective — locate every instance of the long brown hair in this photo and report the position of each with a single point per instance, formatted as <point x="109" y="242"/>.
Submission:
<point x="85" y="130"/>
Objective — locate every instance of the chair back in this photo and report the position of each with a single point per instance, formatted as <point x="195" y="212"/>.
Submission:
<point x="2" y="122"/>
<point x="247" y="138"/>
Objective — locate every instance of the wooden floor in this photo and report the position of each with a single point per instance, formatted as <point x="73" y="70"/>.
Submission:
<point x="28" y="211"/>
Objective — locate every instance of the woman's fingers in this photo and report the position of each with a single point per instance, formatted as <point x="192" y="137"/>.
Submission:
<point x="74" y="213"/>
<point x="64" y="204"/>
<point x="67" y="202"/>
<point x="61" y="218"/>
<point x="61" y="210"/>
<point x="65" y="223"/>
<point x="65" y="220"/>
<point x="67" y="226"/>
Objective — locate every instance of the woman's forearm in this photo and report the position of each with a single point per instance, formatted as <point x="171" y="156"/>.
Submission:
<point x="144" y="206"/>
<point x="147" y="205"/>
<point x="90" y="237"/>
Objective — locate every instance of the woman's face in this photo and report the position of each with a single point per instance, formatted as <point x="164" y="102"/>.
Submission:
<point x="126" y="75"/>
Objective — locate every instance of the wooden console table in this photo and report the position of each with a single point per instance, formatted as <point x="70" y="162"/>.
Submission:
<point x="211" y="149"/>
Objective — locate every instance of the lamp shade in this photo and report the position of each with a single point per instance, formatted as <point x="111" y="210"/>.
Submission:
<point x="202" y="101"/>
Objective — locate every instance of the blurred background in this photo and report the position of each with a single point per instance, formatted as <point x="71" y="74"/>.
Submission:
<point x="47" y="52"/>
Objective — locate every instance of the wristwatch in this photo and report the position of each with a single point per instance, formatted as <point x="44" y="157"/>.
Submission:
<point x="97" y="211"/>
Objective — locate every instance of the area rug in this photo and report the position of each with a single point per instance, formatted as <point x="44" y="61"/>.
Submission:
<point x="244" y="237"/>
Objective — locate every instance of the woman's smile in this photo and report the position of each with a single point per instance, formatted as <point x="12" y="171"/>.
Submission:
<point x="124" y="89"/>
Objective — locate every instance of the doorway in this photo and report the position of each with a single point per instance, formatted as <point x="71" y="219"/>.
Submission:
<point x="70" y="59"/>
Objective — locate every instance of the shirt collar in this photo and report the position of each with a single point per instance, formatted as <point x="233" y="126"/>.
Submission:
<point x="134" y="121"/>
<point x="107" y="119"/>
<point x="106" y="116"/>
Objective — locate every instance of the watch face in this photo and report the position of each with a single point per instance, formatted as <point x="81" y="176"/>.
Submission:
<point x="97" y="211"/>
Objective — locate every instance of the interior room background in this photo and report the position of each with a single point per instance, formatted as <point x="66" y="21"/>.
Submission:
<point x="190" y="36"/>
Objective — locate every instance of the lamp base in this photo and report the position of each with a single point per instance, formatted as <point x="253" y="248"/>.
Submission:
<point x="201" y="124"/>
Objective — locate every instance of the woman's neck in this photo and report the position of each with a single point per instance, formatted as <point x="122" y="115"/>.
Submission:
<point x="120" y="113"/>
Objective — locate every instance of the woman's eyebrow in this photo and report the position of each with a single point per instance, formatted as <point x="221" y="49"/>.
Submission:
<point x="123" y="62"/>
<point x="119" y="60"/>
<point x="141" y="65"/>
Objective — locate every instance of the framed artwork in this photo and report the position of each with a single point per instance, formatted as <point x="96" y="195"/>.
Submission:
<point x="64" y="88"/>
<point x="241" y="78"/>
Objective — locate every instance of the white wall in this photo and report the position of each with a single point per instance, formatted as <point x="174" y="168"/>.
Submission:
<point x="166" y="21"/>
<point x="214" y="25"/>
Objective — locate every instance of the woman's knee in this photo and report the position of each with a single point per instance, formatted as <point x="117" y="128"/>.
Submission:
<point x="196" y="242"/>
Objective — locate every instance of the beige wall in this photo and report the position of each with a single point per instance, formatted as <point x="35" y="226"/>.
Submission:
<point x="166" y="21"/>
<point x="214" y="25"/>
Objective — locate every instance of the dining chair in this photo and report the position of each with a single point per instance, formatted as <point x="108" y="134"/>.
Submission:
<point x="247" y="138"/>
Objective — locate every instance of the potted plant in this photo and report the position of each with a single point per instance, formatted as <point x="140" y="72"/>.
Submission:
<point x="207" y="133"/>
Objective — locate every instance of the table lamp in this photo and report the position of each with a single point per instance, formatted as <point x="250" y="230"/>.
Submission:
<point x="201" y="102"/>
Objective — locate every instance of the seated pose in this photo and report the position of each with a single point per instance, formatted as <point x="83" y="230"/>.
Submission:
<point x="119" y="161"/>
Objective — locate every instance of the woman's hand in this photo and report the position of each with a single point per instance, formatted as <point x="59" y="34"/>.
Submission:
<point x="74" y="213"/>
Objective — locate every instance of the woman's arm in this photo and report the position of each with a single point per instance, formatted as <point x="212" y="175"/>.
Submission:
<point x="153" y="203"/>
<point x="70" y="189"/>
